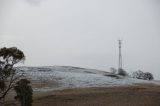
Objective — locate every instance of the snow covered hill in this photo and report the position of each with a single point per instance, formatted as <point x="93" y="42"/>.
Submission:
<point x="63" y="77"/>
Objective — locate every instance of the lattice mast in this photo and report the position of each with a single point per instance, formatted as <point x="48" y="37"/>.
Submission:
<point x="120" y="55"/>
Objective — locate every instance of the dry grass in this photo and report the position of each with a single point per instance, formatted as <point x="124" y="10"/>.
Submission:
<point x="116" y="96"/>
<point x="141" y="95"/>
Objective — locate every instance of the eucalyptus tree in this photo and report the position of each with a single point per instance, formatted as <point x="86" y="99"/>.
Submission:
<point x="8" y="74"/>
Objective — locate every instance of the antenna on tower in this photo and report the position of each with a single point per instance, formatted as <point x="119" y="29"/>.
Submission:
<point x="120" y="55"/>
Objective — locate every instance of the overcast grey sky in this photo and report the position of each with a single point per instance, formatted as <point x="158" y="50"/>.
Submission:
<point x="84" y="33"/>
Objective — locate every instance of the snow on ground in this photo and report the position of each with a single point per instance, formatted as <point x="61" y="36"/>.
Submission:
<point x="63" y="77"/>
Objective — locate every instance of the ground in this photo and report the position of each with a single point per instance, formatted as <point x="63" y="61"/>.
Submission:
<point x="140" y="95"/>
<point x="88" y="87"/>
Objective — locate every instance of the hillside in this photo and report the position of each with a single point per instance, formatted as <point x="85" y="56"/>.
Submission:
<point x="64" y="77"/>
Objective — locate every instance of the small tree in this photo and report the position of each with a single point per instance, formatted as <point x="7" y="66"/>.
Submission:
<point x="24" y="92"/>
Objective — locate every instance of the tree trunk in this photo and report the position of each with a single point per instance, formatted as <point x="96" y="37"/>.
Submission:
<point x="23" y="104"/>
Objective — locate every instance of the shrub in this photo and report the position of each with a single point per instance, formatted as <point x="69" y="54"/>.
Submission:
<point x="113" y="70"/>
<point x="141" y="75"/>
<point x="24" y="92"/>
<point x="122" y="72"/>
<point x="138" y="74"/>
<point x="148" y="76"/>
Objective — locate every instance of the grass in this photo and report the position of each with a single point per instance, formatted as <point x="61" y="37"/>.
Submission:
<point x="138" y="95"/>
<point x="114" y="96"/>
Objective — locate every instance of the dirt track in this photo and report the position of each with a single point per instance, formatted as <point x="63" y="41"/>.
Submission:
<point x="115" y="96"/>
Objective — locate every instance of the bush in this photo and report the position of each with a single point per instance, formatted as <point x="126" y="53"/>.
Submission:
<point x="138" y="74"/>
<point x="141" y="75"/>
<point x="148" y="76"/>
<point x="122" y="72"/>
<point x="113" y="70"/>
<point x="24" y="92"/>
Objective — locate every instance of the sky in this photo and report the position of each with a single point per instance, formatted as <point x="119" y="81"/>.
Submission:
<point x="84" y="33"/>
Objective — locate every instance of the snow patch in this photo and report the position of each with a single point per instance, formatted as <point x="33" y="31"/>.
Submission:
<point x="74" y="77"/>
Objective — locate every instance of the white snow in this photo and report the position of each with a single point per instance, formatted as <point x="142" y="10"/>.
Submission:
<point x="74" y="77"/>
